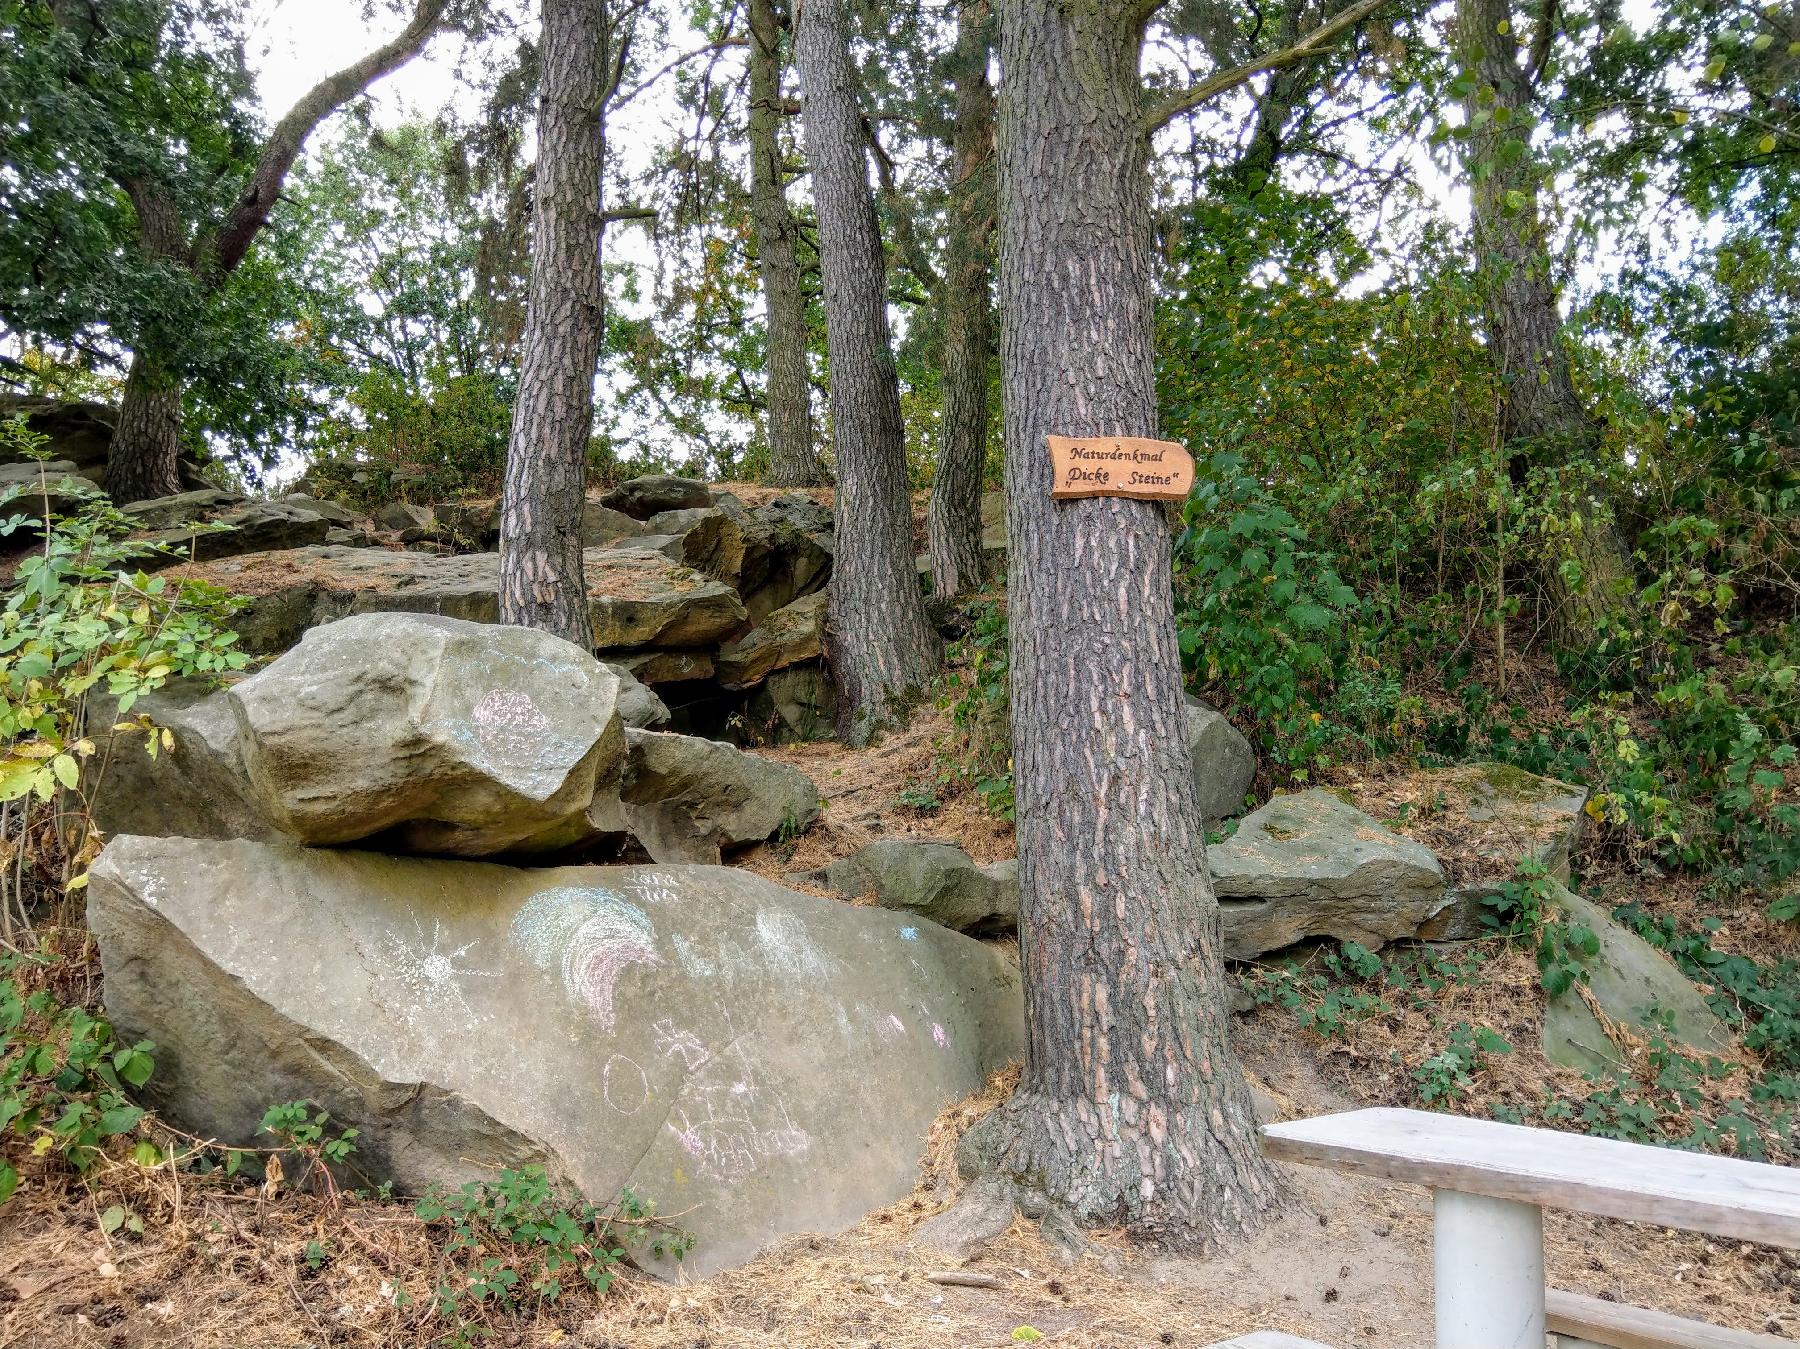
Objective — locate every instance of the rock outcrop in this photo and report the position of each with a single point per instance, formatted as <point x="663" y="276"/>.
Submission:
<point x="1308" y="865"/>
<point x="654" y="493"/>
<point x="681" y="1032"/>
<point x="936" y="881"/>
<point x="1635" y="985"/>
<point x="686" y="799"/>
<point x="450" y="737"/>
<point x="791" y="634"/>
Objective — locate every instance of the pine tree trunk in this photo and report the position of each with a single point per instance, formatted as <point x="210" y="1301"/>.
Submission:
<point x="1132" y="1109"/>
<point x="881" y="644"/>
<point x="542" y="584"/>
<point x="144" y="459"/>
<point x="953" y="521"/>
<point x="1542" y="420"/>
<point x="787" y="394"/>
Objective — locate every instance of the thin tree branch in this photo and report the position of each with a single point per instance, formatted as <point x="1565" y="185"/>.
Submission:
<point x="251" y="210"/>
<point x="1307" y="47"/>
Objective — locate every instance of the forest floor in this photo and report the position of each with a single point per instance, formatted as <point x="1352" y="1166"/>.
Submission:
<point x="226" y="1266"/>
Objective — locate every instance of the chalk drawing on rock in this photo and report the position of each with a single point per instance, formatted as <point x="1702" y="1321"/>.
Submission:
<point x="507" y="722"/>
<point x="726" y="1123"/>
<point x="429" y="973"/>
<point x="655" y="887"/>
<point x="589" y="936"/>
<point x="787" y="946"/>
<point x="624" y="1085"/>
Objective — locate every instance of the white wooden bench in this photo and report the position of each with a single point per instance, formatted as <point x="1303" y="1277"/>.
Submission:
<point x="1490" y="1184"/>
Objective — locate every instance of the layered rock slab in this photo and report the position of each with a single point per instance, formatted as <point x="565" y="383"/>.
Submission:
<point x="766" y="1061"/>
<point x="1310" y="865"/>
<point x="636" y="598"/>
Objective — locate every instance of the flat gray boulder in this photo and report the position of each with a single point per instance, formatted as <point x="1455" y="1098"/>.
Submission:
<point x="937" y="881"/>
<point x="1224" y="763"/>
<point x="760" y="1061"/>
<point x="686" y="799"/>
<point x="1308" y="865"/>
<point x="181" y="509"/>
<point x="654" y="493"/>
<point x="1634" y="983"/>
<point x="439" y="735"/>
<point x="635" y="598"/>
<point x="259" y="527"/>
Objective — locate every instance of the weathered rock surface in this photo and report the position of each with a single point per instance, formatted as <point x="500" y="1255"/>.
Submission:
<point x="1630" y="979"/>
<point x="938" y="882"/>
<point x="1224" y="763"/>
<point x="335" y="511"/>
<point x="1308" y="865"/>
<point x="76" y="432"/>
<point x="664" y="667"/>
<point x="704" y="538"/>
<point x="796" y="704"/>
<point x="450" y="736"/>
<point x="679" y="1031"/>
<point x="181" y="509"/>
<point x="690" y="800"/>
<point x="195" y="789"/>
<point x="636" y="599"/>
<point x="260" y="527"/>
<point x="791" y="634"/>
<point x="641" y="498"/>
<point x="638" y="707"/>
<point x="403" y="515"/>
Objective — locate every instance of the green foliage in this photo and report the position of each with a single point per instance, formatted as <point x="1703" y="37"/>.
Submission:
<point x="517" y="1242"/>
<point x="76" y="622"/>
<point x="1523" y="908"/>
<point x="1448" y="1076"/>
<point x="1260" y="615"/>
<point x="397" y="438"/>
<point x="65" y="1078"/>
<point x="1331" y="990"/>
<point x="296" y="1125"/>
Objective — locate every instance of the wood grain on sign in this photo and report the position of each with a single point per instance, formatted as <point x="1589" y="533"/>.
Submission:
<point x="1119" y="466"/>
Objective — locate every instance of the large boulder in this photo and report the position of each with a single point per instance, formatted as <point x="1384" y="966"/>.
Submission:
<point x="936" y="881"/>
<point x="1635" y="985"/>
<point x="80" y="433"/>
<point x="791" y="634"/>
<point x="691" y="800"/>
<point x="442" y="735"/>
<point x="334" y="511"/>
<point x="654" y="493"/>
<point x="404" y="515"/>
<point x="759" y="1061"/>
<point x="799" y="703"/>
<point x="788" y="550"/>
<point x="635" y="599"/>
<point x="1224" y="763"/>
<point x="1309" y="865"/>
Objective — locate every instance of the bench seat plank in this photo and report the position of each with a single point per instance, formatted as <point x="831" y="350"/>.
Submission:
<point x="1625" y="1327"/>
<point x="1725" y="1196"/>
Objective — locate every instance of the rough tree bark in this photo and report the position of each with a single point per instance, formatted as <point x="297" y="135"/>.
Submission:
<point x="953" y="520"/>
<point x="1542" y="419"/>
<point x="1132" y="1108"/>
<point x="787" y="392"/>
<point x="542" y="583"/>
<point x="143" y="458"/>
<point x="882" y="645"/>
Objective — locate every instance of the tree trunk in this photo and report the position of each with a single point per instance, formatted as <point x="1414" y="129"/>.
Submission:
<point x="542" y="584"/>
<point x="787" y="392"/>
<point x="882" y="646"/>
<point x="1542" y="420"/>
<point x="1132" y="1109"/>
<point x="143" y="460"/>
<point x="953" y="522"/>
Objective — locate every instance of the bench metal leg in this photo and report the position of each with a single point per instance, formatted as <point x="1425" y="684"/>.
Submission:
<point x="1489" y="1259"/>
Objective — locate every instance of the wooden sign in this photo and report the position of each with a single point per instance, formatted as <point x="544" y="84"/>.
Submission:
<point x="1119" y="466"/>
